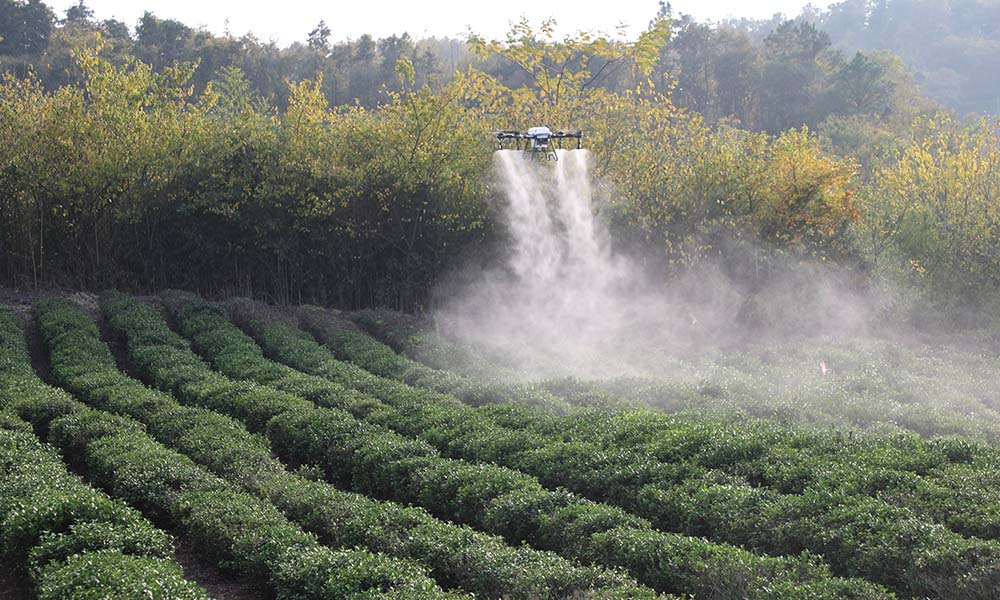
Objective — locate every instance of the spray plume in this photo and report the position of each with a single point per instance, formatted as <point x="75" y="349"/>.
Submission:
<point x="563" y="301"/>
<point x="797" y="339"/>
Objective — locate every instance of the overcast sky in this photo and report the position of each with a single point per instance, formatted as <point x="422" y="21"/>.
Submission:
<point x="286" y="21"/>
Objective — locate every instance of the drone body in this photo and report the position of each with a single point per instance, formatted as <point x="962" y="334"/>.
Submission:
<point x="537" y="142"/>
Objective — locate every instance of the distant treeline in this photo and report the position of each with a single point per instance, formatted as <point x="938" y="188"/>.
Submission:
<point x="357" y="174"/>
<point x="769" y="74"/>
<point x="952" y="46"/>
<point x="950" y="49"/>
<point x="36" y="40"/>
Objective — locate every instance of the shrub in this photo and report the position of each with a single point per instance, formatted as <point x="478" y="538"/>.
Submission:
<point x="138" y="539"/>
<point x="53" y="510"/>
<point x="321" y="573"/>
<point x="111" y="575"/>
<point x="144" y="473"/>
<point x="239" y="531"/>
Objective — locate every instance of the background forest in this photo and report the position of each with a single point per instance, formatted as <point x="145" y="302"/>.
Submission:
<point x="355" y="173"/>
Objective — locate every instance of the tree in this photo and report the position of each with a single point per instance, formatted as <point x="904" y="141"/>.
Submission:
<point x="390" y="50"/>
<point x="103" y="151"/>
<point x="231" y="91"/>
<point x="948" y="45"/>
<point x="809" y="196"/>
<point x="116" y="29"/>
<point x="363" y="81"/>
<point x="562" y="76"/>
<point x="79" y="13"/>
<point x="794" y="78"/>
<point x="319" y="38"/>
<point x="162" y="42"/>
<point x="694" y="51"/>
<point x="716" y="69"/>
<point x="25" y="27"/>
<point x="738" y="73"/>
<point x="796" y="41"/>
<point x="938" y="209"/>
<point x="863" y="86"/>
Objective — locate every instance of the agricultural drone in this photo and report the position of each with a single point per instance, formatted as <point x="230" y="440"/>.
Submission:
<point x="536" y="142"/>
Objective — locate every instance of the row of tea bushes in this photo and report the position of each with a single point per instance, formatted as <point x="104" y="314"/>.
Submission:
<point x="454" y="555"/>
<point x="930" y="477"/>
<point x="70" y="539"/>
<point x="238" y="531"/>
<point x="851" y="526"/>
<point x="490" y="497"/>
<point x="74" y="541"/>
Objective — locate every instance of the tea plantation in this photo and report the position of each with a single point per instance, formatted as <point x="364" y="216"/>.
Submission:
<point x="306" y="453"/>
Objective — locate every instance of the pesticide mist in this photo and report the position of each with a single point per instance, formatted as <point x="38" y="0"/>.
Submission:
<point x="802" y="344"/>
<point x="563" y="301"/>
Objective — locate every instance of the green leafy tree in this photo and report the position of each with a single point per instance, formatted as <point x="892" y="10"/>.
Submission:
<point x="163" y="42"/>
<point x="319" y="38"/>
<point x="716" y="71"/>
<point x="797" y="61"/>
<point x="230" y="92"/>
<point x="79" y="13"/>
<point x="937" y="210"/>
<point x="863" y="86"/>
<point x="25" y="27"/>
<point x="560" y="78"/>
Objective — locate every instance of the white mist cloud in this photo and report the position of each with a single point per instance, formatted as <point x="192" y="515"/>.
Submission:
<point x="562" y="301"/>
<point x="562" y="298"/>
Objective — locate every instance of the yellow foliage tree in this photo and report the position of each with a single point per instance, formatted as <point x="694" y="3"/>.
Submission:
<point x="938" y="206"/>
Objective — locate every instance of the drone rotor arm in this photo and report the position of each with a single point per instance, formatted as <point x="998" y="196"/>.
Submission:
<point x="545" y="139"/>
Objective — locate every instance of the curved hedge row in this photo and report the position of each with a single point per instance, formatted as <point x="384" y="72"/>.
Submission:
<point x="416" y="339"/>
<point x="70" y="539"/>
<point x="235" y="530"/>
<point x="955" y="474"/>
<point x="456" y="556"/>
<point x="75" y="542"/>
<point x="930" y="477"/>
<point x="492" y="498"/>
<point x="856" y="522"/>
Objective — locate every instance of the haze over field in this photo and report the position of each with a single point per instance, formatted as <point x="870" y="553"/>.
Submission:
<point x="803" y="343"/>
<point x="564" y="298"/>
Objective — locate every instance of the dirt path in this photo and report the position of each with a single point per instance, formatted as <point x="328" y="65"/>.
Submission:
<point x="219" y="585"/>
<point x="13" y="588"/>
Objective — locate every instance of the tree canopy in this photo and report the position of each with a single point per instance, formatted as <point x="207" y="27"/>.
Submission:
<point x="357" y="173"/>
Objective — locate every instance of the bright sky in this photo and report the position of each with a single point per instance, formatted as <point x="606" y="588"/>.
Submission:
<point x="286" y="21"/>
